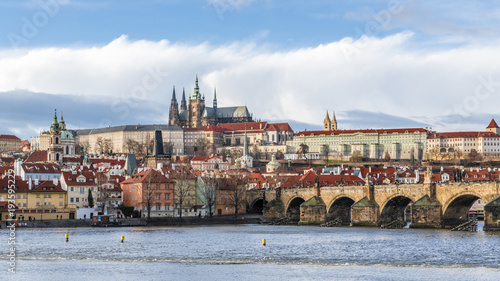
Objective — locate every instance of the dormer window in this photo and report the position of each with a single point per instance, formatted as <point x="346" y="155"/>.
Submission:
<point x="44" y="188"/>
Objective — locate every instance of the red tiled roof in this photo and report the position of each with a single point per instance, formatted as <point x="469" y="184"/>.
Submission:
<point x="22" y="186"/>
<point x="212" y="128"/>
<point x="9" y="137"/>
<point x="283" y="126"/>
<point x="38" y="156"/>
<point x="368" y="131"/>
<point x="144" y="177"/>
<point x="48" y="186"/>
<point x="492" y="124"/>
<point x="453" y="135"/>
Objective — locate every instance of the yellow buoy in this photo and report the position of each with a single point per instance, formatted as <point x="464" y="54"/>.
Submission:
<point x="67" y="237"/>
<point x="263" y="242"/>
<point x="123" y="238"/>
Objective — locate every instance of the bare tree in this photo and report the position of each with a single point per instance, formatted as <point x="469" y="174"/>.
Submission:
<point x="209" y="194"/>
<point x="356" y="156"/>
<point x="202" y="147"/>
<point x="102" y="193"/>
<point x="99" y="145"/>
<point x="256" y="150"/>
<point x="326" y="150"/>
<point x="169" y="147"/>
<point x="182" y="192"/>
<point x="148" y="194"/>
<point x="131" y="145"/>
<point x="236" y="198"/>
<point x="387" y="157"/>
<point x="303" y="150"/>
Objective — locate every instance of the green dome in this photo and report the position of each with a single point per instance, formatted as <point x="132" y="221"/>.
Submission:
<point x="67" y="135"/>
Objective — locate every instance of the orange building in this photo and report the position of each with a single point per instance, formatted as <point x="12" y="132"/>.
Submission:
<point x="149" y="188"/>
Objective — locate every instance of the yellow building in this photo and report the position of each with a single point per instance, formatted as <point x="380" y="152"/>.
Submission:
<point x="45" y="201"/>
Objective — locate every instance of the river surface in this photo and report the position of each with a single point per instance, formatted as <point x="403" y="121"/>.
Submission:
<point x="236" y="253"/>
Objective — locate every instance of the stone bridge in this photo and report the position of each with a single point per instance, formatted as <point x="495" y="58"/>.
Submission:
<point x="428" y="205"/>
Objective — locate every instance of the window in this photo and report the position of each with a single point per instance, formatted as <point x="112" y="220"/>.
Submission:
<point x="82" y="190"/>
<point x="71" y="200"/>
<point x="38" y="203"/>
<point x="60" y="196"/>
<point x="72" y="189"/>
<point x="77" y="200"/>
<point x="60" y="203"/>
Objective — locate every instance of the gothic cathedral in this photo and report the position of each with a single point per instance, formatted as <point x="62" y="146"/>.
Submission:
<point x="195" y="114"/>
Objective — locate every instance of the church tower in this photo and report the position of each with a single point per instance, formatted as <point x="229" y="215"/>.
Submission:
<point x="196" y="107"/>
<point x="173" y="117"/>
<point x="183" y="101"/>
<point x="327" y="124"/>
<point x="55" y="150"/>
<point x="333" y="126"/>
<point x="493" y="127"/>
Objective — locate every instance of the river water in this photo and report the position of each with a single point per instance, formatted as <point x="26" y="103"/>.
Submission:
<point x="236" y="252"/>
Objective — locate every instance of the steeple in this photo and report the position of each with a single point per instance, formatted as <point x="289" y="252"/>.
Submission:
<point x="327" y="124"/>
<point x="196" y="94"/>
<point x="62" y="124"/>
<point x="183" y="101"/>
<point x="173" y="95"/>
<point x="55" y="124"/>
<point x="334" y="123"/>
<point x="215" y="98"/>
<point x="173" y="117"/>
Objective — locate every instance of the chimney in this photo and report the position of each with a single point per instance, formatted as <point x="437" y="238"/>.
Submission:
<point x="36" y="182"/>
<point x="30" y="184"/>
<point x="55" y="181"/>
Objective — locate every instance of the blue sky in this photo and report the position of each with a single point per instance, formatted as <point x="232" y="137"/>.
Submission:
<point x="375" y="63"/>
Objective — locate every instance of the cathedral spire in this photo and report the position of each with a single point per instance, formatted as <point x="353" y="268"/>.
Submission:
<point x="215" y="98"/>
<point x="196" y="94"/>
<point x="183" y="101"/>
<point x="173" y="95"/>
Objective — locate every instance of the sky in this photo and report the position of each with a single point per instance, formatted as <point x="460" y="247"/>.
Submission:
<point x="376" y="64"/>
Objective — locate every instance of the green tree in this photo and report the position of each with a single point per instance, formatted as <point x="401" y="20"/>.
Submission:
<point x="91" y="199"/>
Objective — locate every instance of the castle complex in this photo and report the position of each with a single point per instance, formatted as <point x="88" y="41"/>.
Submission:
<point x="195" y="114"/>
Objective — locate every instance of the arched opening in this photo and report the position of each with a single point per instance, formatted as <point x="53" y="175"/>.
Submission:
<point x="341" y="209"/>
<point x="293" y="211"/>
<point x="57" y="140"/>
<point x="57" y="156"/>
<point x="257" y="207"/>
<point x="67" y="150"/>
<point x="396" y="209"/>
<point x="458" y="210"/>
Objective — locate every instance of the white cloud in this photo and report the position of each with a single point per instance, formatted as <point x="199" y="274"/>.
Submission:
<point x="382" y="75"/>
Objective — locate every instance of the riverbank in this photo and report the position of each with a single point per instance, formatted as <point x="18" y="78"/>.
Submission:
<point x="166" y="221"/>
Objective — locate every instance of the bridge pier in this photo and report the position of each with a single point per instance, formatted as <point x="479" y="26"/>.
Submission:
<point x="274" y="210"/>
<point x="426" y="213"/>
<point x="492" y="216"/>
<point x="364" y="213"/>
<point x="313" y="211"/>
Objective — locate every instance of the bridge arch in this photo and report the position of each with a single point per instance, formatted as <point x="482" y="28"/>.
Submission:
<point x="456" y="209"/>
<point x="293" y="208"/>
<point x="395" y="208"/>
<point x="340" y="208"/>
<point x="257" y="206"/>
